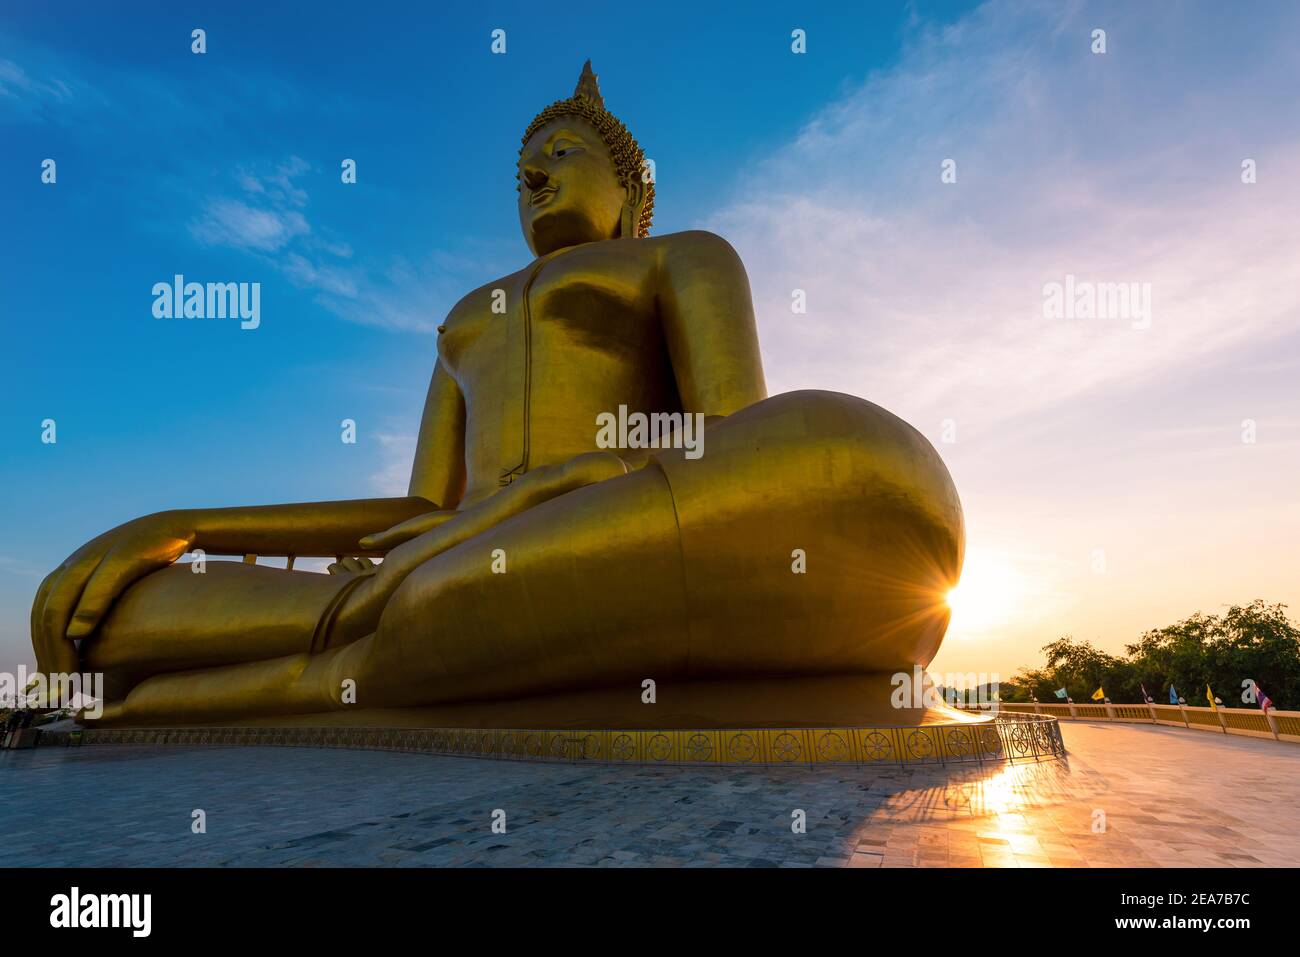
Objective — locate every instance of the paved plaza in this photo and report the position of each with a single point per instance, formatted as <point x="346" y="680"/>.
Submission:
<point x="1170" y="797"/>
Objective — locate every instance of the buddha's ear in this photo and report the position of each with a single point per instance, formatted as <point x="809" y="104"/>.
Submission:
<point x="631" y="218"/>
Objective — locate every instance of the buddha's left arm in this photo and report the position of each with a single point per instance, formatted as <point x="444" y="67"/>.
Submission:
<point x="708" y="321"/>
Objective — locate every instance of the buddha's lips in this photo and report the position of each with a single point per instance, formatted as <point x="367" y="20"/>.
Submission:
<point x="542" y="195"/>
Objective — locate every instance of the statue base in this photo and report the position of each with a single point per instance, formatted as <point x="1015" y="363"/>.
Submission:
<point x="793" y="702"/>
<point x="846" y="720"/>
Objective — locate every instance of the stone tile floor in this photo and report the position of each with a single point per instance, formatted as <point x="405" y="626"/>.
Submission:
<point x="1169" y="797"/>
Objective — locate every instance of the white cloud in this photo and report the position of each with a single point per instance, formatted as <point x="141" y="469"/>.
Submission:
<point x="328" y="279"/>
<point x="230" y="222"/>
<point x="278" y="184"/>
<point x="17" y="84"/>
<point x="19" y="567"/>
<point x="399" y="294"/>
<point x="397" y="453"/>
<point x="926" y="297"/>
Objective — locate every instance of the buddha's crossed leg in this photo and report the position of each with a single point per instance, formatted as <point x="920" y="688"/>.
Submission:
<point x="205" y="615"/>
<point x="817" y="534"/>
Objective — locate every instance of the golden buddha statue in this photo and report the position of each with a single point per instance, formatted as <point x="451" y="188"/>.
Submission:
<point x="775" y="573"/>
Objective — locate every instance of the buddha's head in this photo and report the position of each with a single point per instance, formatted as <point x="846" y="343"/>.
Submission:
<point x="581" y="176"/>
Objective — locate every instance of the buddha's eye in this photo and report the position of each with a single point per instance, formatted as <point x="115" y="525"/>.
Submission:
<point x="562" y="151"/>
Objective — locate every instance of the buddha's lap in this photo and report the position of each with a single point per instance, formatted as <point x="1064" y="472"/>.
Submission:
<point x="816" y="531"/>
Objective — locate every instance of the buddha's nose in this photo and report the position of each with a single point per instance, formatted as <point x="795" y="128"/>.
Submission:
<point x="534" y="176"/>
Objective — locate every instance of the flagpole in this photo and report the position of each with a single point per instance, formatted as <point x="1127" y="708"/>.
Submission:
<point x="1265" y="703"/>
<point x="1214" y="704"/>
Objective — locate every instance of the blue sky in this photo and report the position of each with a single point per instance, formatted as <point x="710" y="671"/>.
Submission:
<point x="225" y="167"/>
<point x="822" y="169"/>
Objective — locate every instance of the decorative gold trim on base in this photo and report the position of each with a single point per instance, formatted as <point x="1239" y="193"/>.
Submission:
<point x="1007" y="738"/>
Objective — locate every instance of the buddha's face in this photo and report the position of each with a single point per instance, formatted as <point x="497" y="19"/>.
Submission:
<point x="569" y="192"/>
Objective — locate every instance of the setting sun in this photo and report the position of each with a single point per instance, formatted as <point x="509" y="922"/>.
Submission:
<point x="987" y="596"/>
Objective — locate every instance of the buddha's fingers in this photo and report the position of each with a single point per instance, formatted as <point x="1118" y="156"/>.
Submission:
<point x="405" y="531"/>
<point x="38" y="608"/>
<point x="112" y="577"/>
<point x="534" y="488"/>
<point x="365" y="605"/>
<point x="47" y="657"/>
<point x="53" y="645"/>
<point x="350" y="565"/>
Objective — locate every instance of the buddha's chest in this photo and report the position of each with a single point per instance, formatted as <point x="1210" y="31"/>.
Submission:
<point x="539" y="354"/>
<point x="582" y="310"/>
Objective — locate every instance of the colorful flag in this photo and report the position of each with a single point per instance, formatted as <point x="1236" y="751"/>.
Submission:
<point x="1098" y="694"/>
<point x="1173" y="695"/>
<point x="1265" y="702"/>
<point x="1060" y="692"/>
<point x="1209" y="695"/>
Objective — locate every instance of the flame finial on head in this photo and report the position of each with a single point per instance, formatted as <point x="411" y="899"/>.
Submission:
<point x="589" y="86"/>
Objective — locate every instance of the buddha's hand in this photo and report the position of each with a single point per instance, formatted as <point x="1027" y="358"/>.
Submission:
<point x="350" y="566"/>
<point x="405" y="531"/>
<point x="415" y="541"/>
<point x="74" y="597"/>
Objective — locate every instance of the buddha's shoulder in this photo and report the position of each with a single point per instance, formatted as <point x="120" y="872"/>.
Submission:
<point x="689" y="243"/>
<point x="482" y="296"/>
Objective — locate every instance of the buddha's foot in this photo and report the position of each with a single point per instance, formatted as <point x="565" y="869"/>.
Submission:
<point x="296" y="684"/>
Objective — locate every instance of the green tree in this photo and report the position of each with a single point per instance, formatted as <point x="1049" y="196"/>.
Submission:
<point x="1254" y="642"/>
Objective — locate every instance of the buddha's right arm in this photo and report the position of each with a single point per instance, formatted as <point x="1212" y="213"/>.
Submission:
<point x="75" y="596"/>
<point x="309" y="528"/>
<point x="336" y="528"/>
